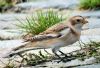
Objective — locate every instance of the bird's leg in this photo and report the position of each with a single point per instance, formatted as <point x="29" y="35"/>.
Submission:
<point x="57" y="55"/>
<point x="63" y="53"/>
<point x="64" y="59"/>
<point x="54" y="50"/>
<point x="47" y="51"/>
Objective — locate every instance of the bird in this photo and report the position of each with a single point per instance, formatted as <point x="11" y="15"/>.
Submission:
<point x="55" y="37"/>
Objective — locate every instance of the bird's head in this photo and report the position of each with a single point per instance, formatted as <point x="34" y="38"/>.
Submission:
<point x="78" y="21"/>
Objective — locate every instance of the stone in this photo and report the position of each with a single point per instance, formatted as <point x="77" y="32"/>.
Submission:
<point x="58" y="4"/>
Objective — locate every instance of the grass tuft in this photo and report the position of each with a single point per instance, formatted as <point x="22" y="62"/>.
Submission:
<point x="40" y="22"/>
<point x="89" y="4"/>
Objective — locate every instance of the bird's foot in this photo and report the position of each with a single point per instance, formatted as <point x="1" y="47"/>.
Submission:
<point x="65" y="55"/>
<point x="64" y="58"/>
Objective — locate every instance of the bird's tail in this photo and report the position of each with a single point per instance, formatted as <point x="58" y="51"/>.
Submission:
<point x="21" y="46"/>
<point x="19" y="50"/>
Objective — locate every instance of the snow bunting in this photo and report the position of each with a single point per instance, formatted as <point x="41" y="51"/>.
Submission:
<point x="59" y="35"/>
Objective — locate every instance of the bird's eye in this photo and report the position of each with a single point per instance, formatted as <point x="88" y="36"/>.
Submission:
<point x="78" y="20"/>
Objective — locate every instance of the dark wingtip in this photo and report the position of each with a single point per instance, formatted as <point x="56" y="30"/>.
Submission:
<point x="9" y="55"/>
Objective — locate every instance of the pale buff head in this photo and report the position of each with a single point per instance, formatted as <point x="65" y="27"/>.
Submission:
<point x="78" y="20"/>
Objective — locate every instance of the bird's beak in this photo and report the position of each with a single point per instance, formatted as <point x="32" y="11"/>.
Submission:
<point x="86" y="21"/>
<point x="86" y="25"/>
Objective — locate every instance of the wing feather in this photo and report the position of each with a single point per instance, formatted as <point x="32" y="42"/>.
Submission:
<point x="43" y="37"/>
<point x="50" y="33"/>
<point x="56" y="28"/>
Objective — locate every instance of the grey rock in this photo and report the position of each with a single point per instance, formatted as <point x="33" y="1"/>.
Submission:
<point x="94" y="23"/>
<point x="93" y="32"/>
<point x="9" y="21"/>
<point x="88" y="13"/>
<point x="90" y="66"/>
<point x="12" y="16"/>
<point x="10" y="43"/>
<point x="60" y="4"/>
<point x="10" y="34"/>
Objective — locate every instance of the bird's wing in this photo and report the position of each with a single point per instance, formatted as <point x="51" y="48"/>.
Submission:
<point x="43" y="37"/>
<point x="55" y="29"/>
<point x="50" y="33"/>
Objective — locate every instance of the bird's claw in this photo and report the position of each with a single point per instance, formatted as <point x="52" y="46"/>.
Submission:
<point x="64" y="58"/>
